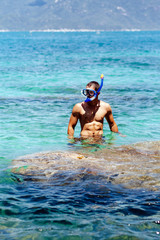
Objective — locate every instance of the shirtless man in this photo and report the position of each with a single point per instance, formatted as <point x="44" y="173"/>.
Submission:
<point x="91" y="113"/>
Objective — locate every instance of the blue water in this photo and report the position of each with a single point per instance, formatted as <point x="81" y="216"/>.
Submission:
<point x="41" y="75"/>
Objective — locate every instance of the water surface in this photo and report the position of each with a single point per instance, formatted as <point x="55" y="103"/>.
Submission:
<point x="113" y="191"/>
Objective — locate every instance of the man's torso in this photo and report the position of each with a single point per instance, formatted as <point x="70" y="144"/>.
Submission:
<point x="91" y="118"/>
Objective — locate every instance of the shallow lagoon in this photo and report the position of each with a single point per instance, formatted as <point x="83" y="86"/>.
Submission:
<point x="79" y="189"/>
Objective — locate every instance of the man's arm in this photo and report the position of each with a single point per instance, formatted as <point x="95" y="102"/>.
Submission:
<point x="73" y="120"/>
<point x="110" y="120"/>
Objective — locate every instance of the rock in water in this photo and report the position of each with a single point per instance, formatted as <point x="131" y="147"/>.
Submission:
<point x="133" y="166"/>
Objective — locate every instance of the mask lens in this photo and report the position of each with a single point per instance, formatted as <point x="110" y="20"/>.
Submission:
<point x="88" y="92"/>
<point x="84" y="92"/>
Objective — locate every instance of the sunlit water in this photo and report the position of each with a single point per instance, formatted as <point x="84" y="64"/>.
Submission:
<point x="79" y="189"/>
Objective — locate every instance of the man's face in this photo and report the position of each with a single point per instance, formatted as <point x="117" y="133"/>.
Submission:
<point x="90" y="91"/>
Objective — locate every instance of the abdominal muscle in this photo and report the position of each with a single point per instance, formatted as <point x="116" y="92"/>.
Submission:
<point x="92" y="129"/>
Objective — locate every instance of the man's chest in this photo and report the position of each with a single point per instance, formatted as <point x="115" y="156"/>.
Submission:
<point x="92" y="115"/>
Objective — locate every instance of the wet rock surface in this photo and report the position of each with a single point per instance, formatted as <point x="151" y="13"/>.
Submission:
<point x="133" y="166"/>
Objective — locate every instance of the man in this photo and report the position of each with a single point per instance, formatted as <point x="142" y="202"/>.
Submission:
<point x="91" y="113"/>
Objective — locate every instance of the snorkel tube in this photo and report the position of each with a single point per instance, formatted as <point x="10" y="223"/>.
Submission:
<point x="99" y="89"/>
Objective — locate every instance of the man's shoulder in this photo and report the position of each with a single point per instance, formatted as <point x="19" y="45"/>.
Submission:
<point x="105" y="105"/>
<point x="77" y="106"/>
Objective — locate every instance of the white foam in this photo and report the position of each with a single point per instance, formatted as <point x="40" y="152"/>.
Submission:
<point x="130" y="30"/>
<point x="4" y="30"/>
<point x="67" y="30"/>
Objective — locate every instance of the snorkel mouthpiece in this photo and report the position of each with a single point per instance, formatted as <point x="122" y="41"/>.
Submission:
<point x="90" y="99"/>
<point x="99" y="89"/>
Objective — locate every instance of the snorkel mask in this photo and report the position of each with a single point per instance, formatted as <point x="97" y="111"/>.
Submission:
<point x="92" y="94"/>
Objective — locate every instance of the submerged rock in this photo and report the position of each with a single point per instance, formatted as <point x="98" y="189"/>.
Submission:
<point x="133" y="166"/>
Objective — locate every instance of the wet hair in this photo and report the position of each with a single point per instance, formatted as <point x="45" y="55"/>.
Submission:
<point x="94" y="84"/>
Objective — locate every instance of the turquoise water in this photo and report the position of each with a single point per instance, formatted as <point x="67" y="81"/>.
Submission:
<point x="41" y="75"/>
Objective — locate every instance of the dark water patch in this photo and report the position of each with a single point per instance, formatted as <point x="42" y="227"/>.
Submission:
<point x="110" y="59"/>
<point x="38" y="211"/>
<point x="63" y="222"/>
<point x="90" y="207"/>
<point x="124" y="237"/>
<point x="139" y="64"/>
<point x="38" y="99"/>
<point x="134" y="95"/>
<point x="137" y="211"/>
<point x="50" y="198"/>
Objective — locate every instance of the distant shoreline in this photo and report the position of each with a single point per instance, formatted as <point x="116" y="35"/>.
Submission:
<point x="65" y="30"/>
<point x="75" y="30"/>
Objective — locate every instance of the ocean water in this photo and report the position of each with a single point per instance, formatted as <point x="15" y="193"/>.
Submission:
<point x="111" y="188"/>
